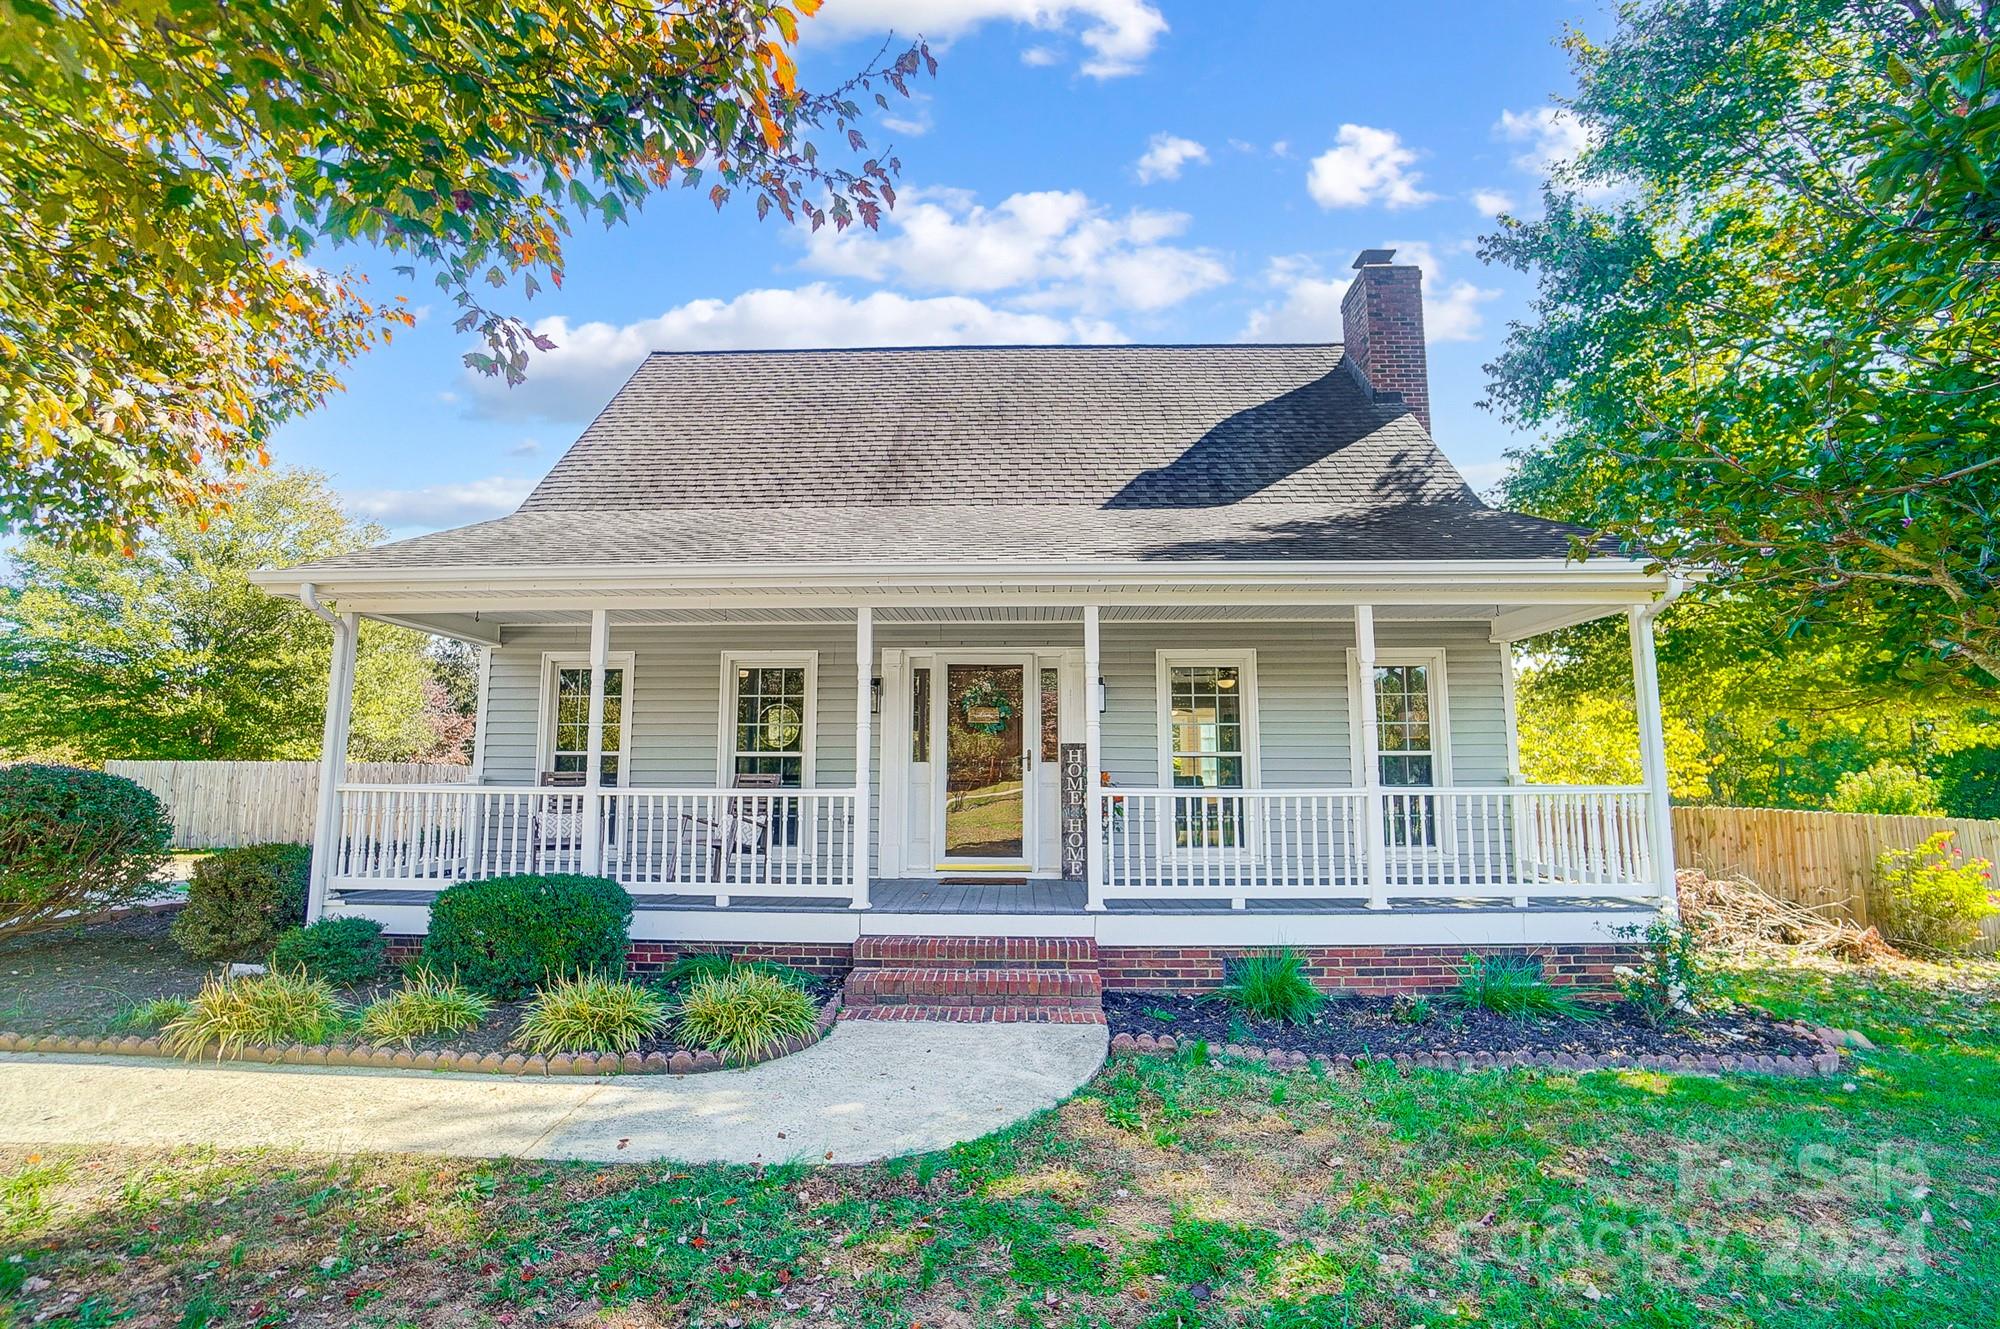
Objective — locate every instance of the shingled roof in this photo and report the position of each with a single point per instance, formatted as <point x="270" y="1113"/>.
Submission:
<point x="1003" y="454"/>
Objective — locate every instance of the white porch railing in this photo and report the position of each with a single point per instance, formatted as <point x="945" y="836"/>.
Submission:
<point x="1507" y="842"/>
<point x="720" y="842"/>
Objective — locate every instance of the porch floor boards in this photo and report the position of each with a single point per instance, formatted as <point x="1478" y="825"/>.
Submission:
<point x="915" y="895"/>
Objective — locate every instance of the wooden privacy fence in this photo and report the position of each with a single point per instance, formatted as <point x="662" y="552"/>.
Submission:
<point x="216" y="804"/>
<point x="1825" y="860"/>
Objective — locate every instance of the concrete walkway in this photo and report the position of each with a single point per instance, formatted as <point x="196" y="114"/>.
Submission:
<point x="871" y="1089"/>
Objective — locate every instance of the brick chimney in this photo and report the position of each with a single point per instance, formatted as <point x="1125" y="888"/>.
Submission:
<point x="1382" y="322"/>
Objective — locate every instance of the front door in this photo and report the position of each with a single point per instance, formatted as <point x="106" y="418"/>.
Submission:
<point x="988" y="714"/>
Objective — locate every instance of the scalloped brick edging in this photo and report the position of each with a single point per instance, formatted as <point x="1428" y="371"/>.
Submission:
<point x="1822" y="1063"/>
<point x="403" y="1059"/>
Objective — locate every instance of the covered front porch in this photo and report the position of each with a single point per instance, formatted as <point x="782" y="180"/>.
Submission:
<point x="1252" y="747"/>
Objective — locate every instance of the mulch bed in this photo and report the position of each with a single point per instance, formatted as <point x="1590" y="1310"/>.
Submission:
<point x="73" y="985"/>
<point x="1356" y="1026"/>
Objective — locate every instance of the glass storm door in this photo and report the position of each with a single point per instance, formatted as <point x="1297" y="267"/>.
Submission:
<point x="985" y="789"/>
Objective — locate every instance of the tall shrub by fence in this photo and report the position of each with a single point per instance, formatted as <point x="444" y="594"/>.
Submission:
<point x="1825" y="860"/>
<point x="217" y="804"/>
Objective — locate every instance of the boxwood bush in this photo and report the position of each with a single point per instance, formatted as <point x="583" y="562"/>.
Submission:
<point x="241" y="900"/>
<point x="508" y="936"/>
<point x="346" y="952"/>
<point x="75" y="843"/>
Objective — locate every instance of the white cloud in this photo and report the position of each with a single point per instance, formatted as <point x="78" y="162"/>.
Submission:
<point x="1451" y="308"/>
<point x="1166" y="155"/>
<point x="591" y="360"/>
<point x="1049" y="249"/>
<point x="1282" y="148"/>
<point x="527" y="447"/>
<point x="441" y="505"/>
<point x="1553" y="139"/>
<point x="1306" y="306"/>
<point x="1492" y="202"/>
<point x="1306" y="309"/>
<point x="1040" y="56"/>
<point x="1365" y="166"/>
<point x="1117" y="34"/>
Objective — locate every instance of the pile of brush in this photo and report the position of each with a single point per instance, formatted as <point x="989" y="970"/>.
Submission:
<point x="1739" y="914"/>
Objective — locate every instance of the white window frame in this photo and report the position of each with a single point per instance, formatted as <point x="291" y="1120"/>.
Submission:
<point x="725" y="729"/>
<point x="545" y="722"/>
<point x="1244" y="661"/>
<point x="1433" y="660"/>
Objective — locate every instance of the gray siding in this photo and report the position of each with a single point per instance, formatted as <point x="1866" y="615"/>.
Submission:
<point x="1301" y="681"/>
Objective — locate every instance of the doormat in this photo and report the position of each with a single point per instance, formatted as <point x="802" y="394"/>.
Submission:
<point x="982" y="881"/>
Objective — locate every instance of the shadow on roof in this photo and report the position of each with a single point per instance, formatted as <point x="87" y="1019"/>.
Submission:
<point x="1259" y="447"/>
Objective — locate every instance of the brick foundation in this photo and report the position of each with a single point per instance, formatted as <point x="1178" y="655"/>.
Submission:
<point x="1374" y="969"/>
<point x="645" y="958"/>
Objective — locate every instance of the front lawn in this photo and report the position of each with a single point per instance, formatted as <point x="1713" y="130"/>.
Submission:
<point x="1165" y="1194"/>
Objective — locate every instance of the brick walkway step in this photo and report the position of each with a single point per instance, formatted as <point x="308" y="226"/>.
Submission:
<point x="976" y="1014"/>
<point x="911" y="952"/>
<point x="1069" y="989"/>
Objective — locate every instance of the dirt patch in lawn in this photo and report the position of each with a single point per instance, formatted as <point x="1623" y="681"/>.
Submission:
<point x="1384" y="1025"/>
<point x="78" y="982"/>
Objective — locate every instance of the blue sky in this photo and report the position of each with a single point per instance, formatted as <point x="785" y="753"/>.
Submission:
<point x="1138" y="170"/>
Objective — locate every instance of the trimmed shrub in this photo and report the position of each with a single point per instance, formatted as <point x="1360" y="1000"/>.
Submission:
<point x="508" y="936"/>
<point x="1933" y="897"/>
<point x="1271" y="985"/>
<point x="1887" y="789"/>
<point x="591" y="1014"/>
<point x="346" y="952"/>
<point x="1514" y="985"/>
<point x="742" y="1013"/>
<point x="75" y="843"/>
<point x="276" y="1007"/>
<point x="241" y="900"/>
<point x="425" y="1006"/>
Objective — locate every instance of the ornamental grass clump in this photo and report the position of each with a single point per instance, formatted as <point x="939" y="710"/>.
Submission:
<point x="229" y="1014"/>
<point x="149" y="1016"/>
<point x="743" y="1013"/>
<point x="1271" y="985"/>
<point x="426" y="1006"/>
<point x="591" y="1014"/>
<point x="1514" y="985"/>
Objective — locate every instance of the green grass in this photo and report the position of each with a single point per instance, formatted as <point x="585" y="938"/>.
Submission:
<point x="1271" y="985"/>
<point x="1169" y="1194"/>
<point x="1513" y="985"/>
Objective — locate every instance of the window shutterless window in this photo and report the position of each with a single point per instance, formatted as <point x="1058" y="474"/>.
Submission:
<point x="1208" y="743"/>
<point x="1411" y="737"/>
<point x="770" y="723"/>
<point x="565" y="747"/>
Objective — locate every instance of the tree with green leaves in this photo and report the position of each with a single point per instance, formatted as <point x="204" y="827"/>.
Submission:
<point x="1766" y="337"/>
<point x="171" y="653"/>
<point x="173" y="169"/>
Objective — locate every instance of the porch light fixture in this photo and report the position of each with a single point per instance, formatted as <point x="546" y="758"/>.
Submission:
<point x="1102" y="692"/>
<point x="875" y="695"/>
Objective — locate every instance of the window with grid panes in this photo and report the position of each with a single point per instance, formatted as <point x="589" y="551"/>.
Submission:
<point x="1407" y="751"/>
<point x="570" y="734"/>
<point x="771" y="722"/>
<point x="1205" y="705"/>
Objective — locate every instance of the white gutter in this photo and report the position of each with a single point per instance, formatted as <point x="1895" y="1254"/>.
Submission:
<point x="309" y="597"/>
<point x="1676" y="585"/>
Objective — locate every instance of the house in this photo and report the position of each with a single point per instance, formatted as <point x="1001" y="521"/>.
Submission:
<point x="1155" y="653"/>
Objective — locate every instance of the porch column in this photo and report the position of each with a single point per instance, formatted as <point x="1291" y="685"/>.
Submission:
<point x="593" y="771"/>
<point x="1653" y="753"/>
<point x="332" y="761"/>
<point x="864" y="744"/>
<point x="1093" y="746"/>
<point x="1375" y="850"/>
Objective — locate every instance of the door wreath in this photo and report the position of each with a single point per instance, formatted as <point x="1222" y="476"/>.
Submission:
<point x="987" y="710"/>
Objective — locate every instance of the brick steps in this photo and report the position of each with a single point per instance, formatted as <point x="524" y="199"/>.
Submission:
<point x="1001" y="979"/>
